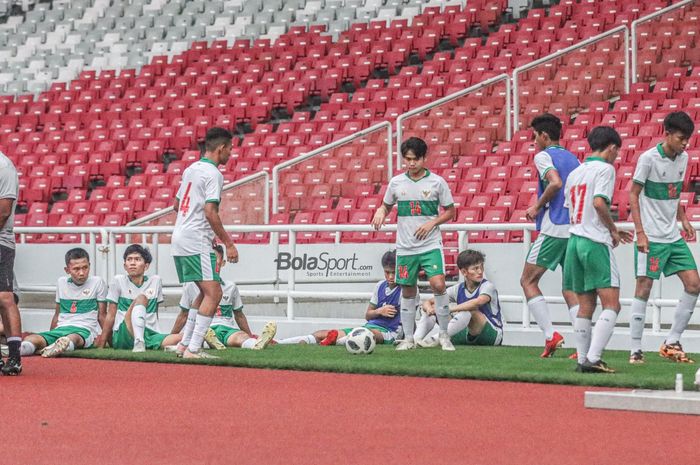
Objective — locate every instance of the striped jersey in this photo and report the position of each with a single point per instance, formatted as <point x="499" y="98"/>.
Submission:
<point x="594" y="178"/>
<point x="384" y="295"/>
<point x="553" y="219"/>
<point x="78" y="304"/>
<point x="458" y="294"/>
<point x="662" y="181"/>
<point x="201" y="184"/>
<point x="417" y="202"/>
<point x="230" y="302"/>
<point x="122" y="292"/>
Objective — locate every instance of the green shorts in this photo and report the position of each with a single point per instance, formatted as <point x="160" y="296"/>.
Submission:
<point x="548" y="252"/>
<point x="490" y="335"/>
<point x="200" y="267"/>
<point x="589" y="266"/>
<point x="666" y="258"/>
<point x="122" y="339"/>
<point x="51" y="336"/>
<point x="408" y="266"/>
<point x="388" y="336"/>
<point x="223" y="332"/>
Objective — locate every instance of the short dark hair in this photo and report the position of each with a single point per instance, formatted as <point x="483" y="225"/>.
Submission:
<point x="389" y="259"/>
<point x="415" y="145"/>
<point x="469" y="257"/>
<point x="679" y="121"/>
<point x="216" y="137"/>
<point x="139" y="249"/>
<point x="549" y="124"/>
<point x="76" y="254"/>
<point x="219" y="249"/>
<point x="601" y="137"/>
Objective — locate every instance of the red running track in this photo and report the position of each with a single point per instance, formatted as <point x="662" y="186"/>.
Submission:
<point x="70" y="411"/>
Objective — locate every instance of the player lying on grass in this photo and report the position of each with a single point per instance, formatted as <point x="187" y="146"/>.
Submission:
<point x="80" y="310"/>
<point x="229" y="328"/>
<point x="590" y="268"/>
<point x="474" y="307"/>
<point x="656" y="210"/>
<point x="132" y="313"/>
<point x="382" y="313"/>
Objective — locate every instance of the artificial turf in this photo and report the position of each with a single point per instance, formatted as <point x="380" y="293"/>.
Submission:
<point x="488" y="363"/>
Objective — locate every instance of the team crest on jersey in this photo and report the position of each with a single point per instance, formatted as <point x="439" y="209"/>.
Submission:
<point x="426" y="194"/>
<point x="225" y="297"/>
<point x="653" y="264"/>
<point x="150" y="293"/>
<point x="87" y="291"/>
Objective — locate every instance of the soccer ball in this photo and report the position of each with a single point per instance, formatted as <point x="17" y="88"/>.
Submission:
<point x="360" y="341"/>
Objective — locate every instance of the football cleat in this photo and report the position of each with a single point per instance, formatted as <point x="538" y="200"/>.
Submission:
<point x="213" y="341"/>
<point x="405" y="345"/>
<point x="266" y="336"/>
<point x="637" y="358"/>
<point x="598" y="367"/>
<point x="57" y="348"/>
<point x="674" y="352"/>
<point x="139" y="346"/>
<point x="12" y="367"/>
<point x="446" y="343"/>
<point x="552" y="345"/>
<point x="573" y="356"/>
<point x="330" y="338"/>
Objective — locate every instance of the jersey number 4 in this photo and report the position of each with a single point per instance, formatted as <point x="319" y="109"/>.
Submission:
<point x="578" y="196"/>
<point x="185" y="205"/>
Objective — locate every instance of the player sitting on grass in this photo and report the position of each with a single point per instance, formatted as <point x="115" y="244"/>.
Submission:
<point x="382" y="313"/>
<point x="229" y="328"/>
<point x="590" y="268"/>
<point x="474" y="306"/>
<point x="80" y="310"/>
<point x="656" y="210"/>
<point x="132" y="314"/>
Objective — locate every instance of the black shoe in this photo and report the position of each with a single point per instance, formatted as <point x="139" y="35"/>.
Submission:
<point x="12" y="367"/>
<point x="598" y="367"/>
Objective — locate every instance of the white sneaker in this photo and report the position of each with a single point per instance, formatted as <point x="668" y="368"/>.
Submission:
<point x="428" y="342"/>
<point x="57" y="348"/>
<point x="445" y="342"/>
<point x="406" y="345"/>
<point x="266" y="336"/>
<point x="200" y="354"/>
<point x="139" y="346"/>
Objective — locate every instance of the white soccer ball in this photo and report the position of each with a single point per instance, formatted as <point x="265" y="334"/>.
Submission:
<point x="360" y="341"/>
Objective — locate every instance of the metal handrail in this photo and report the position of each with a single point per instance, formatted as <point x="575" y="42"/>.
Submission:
<point x="337" y="143"/>
<point x="644" y="19"/>
<point x="226" y="187"/>
<point x="557" y="54"/>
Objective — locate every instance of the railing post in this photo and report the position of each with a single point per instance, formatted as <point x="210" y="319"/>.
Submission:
<point x="291" y="286"/>
<point x="527" y="241"/>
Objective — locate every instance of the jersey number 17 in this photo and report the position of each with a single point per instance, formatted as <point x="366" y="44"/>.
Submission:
<point x="577" y="198"/>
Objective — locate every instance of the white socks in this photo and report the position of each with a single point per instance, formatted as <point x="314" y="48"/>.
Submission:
<point x="573" y="314"/>
<point x="442" y="311"/>
<point x="250" y="343"/>
<point x="309" y="339"/>
<point x="408" y="317"/>
<point x="138" y="322"/>
<point x="538" y="309"/>
<point x="602" y="332"/>
<point x="637" y="317"/>
<point x="459" y="322"/>
<point x="200" y="329"/>
<point x="189" y="326"/>
<point x="684" y="310"/>
<point x="341" y="341"/>
<point x="582" y="330"/>
<point x="26" y="348"/>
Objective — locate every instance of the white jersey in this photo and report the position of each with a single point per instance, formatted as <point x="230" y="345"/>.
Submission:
<point x="230" y="302"/>
<point x="662" y="179"/>
<point x="544" y="163"/>
<point x="594" y="178"/>
<point x="201" y="183"/>
<point x="122" y="292"/>
<point x="78" y="305"/>
<point x="9" y="189"/>
<point x="417" y="202"/>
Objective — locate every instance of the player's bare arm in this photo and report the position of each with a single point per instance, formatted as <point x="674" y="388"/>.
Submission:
<point x="601" y="207"/>
<point x="107" y="325"/>
<point x="380" y="216"/>
<point x="54" y="319"/>
<point x="685" y="224"/>
<point x="101" y="318"/>
<point x="176" y="205"/>
<point x="642" y="239"/>
<point x="554" y="185"/>
<point x="211" y="213"/>
<point x="471" y="305"/>
<point x="447" y="215"/>
<point x="429" y="306"/>
<point x="242" y="322"/>
<point x="5" y="210"/>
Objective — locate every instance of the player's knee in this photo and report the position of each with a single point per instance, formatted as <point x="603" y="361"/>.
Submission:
<point x="643" y="288"/>
<point x="141" y="300"/>
<point x="693" y="287"/>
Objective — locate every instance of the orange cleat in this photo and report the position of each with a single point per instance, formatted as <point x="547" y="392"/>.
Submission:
<point x="330" y="338"/>
<point x="674" y="352"/>
<point x="552" y="345"/>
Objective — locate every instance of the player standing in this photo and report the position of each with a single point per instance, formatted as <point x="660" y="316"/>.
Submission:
<point x="419" y="194"/>
<point x="590" y="268"/>
<point x="198" y="221"/>
<point x="655" y="205"/>
<point x="554" y="163"/>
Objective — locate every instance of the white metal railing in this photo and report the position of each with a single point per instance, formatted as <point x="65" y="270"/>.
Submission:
<point x="635" y="25"/>
<point x="232" y="185"/>
<point x="451" y="98"/>
<point x="107" y="236"/>
<point x="333" y="145"/>
<point x="550" y="57"/>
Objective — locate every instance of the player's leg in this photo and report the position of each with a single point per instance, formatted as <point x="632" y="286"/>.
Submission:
<point x="33" y="344"/>
<point x="572" y="305"/>
<point x="433" y="263"/>
<point x="582" y="326"/>
<point x="425" y="325"/>
<point x="10" y="313"/>
<point x="66" y="339"/>
<point x="642" y="290"/>
<point x="212" y="293"/>
<point x="573" y="278"/>
<point x="170" y="340"/>
<point x="407" y="267"/>
<point x="480" y="332"/>
<point x="189" y="324"/>
<point x="314" y="338"/>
